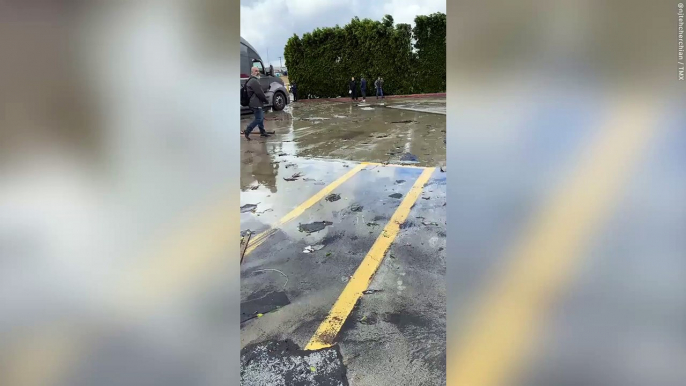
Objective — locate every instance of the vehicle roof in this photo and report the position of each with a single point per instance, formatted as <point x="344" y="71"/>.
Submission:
<point x="243" y="41"/>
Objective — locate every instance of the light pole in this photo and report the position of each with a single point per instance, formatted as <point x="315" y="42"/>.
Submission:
<point x="280" y="65"/>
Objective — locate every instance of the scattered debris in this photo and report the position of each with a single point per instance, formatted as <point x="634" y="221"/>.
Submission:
<point x="367" y="108"/>
<point x="333" y="197"/>
<point x="426" y="198"/>
<point x="254" y="187"/>
<point x="320" y="183"/>
<point x="282" y="154"/>
<point x="313" y="248"/>
<point x="291" y="165"/>
<point x="314" y="226"/>
<point x="248" y="208"/>
<point x="309" y="179"/>
<point x="409" y="158"/>
<point x="443" y="168"/>
<point x="395" y="195"/>
<point x="405" y="121"/>
<point x="293" y="177"/>
<point x="264" y="211"/>
<point x="429" y="223"/>
<point x="356" y="208"/>
<point x="371" y="291"/>
<point x="372" y="224"/>
<point x="399" y="181"/>
<point x="245" y="241"/>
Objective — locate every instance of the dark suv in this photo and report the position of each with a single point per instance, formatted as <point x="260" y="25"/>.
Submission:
<point x="273" y="86"/>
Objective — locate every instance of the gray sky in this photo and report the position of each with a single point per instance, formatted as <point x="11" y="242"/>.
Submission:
<point x="268" y="24"/>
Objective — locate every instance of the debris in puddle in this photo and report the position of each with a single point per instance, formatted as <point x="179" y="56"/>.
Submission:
<point x="429" y="223"/>
<point x="409" y="158"/>
<point x="282" y="154"/>
<point x="395" y="195"/>
<point x="399" y="181"/>
<point x="293" y="177"/>
<point x="328" y="254"/>
<point x="371" y="291"/>
<point x="265" y="211"/>
<point x="313" y="248"/>
<point x="333" y="197"/>
<point x="248" y="208"/>
<point x="372" y="224"/>
<point x="356" y="208"/>
<point x="314" y="226"/>
<point x="405" y="121"/>
<point x="426" y="198"/>
<point x="291" y="165"/>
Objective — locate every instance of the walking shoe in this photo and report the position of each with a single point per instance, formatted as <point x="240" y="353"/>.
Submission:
<point x="247" y="136"/>
<point x="264" y="135"/>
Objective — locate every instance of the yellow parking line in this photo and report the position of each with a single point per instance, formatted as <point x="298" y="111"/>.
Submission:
<point x="300" y="209"/>
<point x="327" y="331"/>
<point x="498" y="336"/>
<point x="395" y="165"/>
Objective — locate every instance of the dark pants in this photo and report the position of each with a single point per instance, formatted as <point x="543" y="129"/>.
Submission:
<point x="364" y="93"/>
<point x="354" y="95"/>
<point x="379" y="92"/>
<point x="295" y="95"/>
<point x="258" y="121"/>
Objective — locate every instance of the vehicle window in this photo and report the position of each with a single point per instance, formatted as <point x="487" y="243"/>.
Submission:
<point x="244" y="49"/>
<point x="258" y="64"/>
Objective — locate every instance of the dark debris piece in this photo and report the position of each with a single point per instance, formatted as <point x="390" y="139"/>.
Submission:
<point x="333" y="197"/>
<point x="356" y="208"/>
<point x="314" y="226"/>
<point x="395" y="195"/>
<point x="248" y="208"/>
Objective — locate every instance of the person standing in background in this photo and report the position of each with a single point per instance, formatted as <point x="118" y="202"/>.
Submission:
<point x="353" y="89"/>
<point x="379" y="87"/>
<point x="363" y="88"/>
<point x="294" y="90"/>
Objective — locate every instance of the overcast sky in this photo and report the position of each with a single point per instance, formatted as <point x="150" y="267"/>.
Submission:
<point x="268" y="24"/>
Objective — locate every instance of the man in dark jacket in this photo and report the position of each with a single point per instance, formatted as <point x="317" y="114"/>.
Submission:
<point x="353" y="89"/>
<point x="363" y="88"/>
<point x="257" y="101"/>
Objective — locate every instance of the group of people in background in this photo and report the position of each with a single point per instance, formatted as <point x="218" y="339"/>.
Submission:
<point x="352" y="90"/>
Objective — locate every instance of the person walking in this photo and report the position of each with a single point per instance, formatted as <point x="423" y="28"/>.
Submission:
<point x="294" y="90"/>
<point x="379" y="87"/>
<point x="257" y="101"/>
<point x="353" y="89"/>
<point x="363" y="89"/>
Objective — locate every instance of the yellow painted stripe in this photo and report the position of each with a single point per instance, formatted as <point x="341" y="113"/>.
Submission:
<point x="395" y="165"/>
<point x="327" y="331"/>
<point x="300" y="209"/>
<point x="498" y="337"/>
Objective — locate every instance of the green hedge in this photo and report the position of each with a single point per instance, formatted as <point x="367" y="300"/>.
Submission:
<point x="323" y="61"/>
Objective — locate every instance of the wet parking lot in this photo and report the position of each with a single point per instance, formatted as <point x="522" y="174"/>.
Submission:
<point x="343" y="275"/>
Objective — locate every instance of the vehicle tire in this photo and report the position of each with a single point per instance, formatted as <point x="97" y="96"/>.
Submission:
<point x="279" y="101"/>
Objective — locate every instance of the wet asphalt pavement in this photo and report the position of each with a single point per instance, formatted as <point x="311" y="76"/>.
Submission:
<point x="396" y="332"/>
